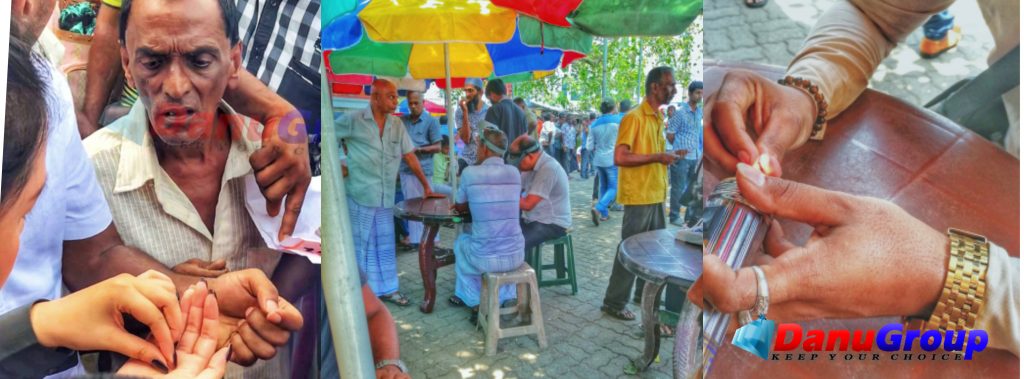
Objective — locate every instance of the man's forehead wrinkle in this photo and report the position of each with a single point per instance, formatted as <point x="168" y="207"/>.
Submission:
<point x="178" y="19"/>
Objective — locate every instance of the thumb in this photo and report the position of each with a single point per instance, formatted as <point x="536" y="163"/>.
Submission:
<point x="791" y="200"/>
<point x="263" y="290"/>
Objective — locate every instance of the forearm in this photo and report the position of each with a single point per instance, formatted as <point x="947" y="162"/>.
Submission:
<point x="465" y="130"/>
<point x="383" y="335"/>
<point x="84" y="268"/>
<point x="254" y="99"/>
<point x="100" y="257"/>
<point x="529" y="202"/>
<point x="103" y="68"/>
<point x="429" y="149"/>
<point x="851" y="39"/>
<point x="292" y="276"/>
<point x="626" y="158"/>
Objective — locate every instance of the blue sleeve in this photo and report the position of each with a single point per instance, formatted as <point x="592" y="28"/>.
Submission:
<point x="434" y="132"/>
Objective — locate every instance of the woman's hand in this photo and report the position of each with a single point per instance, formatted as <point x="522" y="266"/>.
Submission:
<point x="866" y="257"/>
<point x="92" y="319"/>
<point x="197" y="354"/>
<point x="750" y="116"/>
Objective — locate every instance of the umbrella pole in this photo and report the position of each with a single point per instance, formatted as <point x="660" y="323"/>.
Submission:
<point x="339" y="272"/>
<point x="453" y="165"/>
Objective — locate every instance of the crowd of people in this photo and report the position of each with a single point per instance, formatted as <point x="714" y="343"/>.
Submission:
<point x="136" y="240"/>
<point x="514" y="172"/>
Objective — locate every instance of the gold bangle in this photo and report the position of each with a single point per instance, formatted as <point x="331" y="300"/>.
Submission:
<point x="963" y="292"/>
<point x="818" y="130"/>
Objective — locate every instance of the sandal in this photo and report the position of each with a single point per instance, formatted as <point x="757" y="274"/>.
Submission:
<point x="667" y="331"/>
<point x="456" y="301"/>
<point x="755" y="3"/>
<point x="622" y="314"/>
<point x="396" y="298"/>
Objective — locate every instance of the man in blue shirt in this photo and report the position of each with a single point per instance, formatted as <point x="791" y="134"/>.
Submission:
<point x="425" y="132"/>
<point x="603" y="133"/>
<point x="685" y="132"/>
<point x="489" y="190"/>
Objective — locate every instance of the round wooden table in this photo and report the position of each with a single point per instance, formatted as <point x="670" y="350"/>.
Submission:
<point x="937" y="171"/>
<point x="658" y="258"/>
<point x="433" y="213"/>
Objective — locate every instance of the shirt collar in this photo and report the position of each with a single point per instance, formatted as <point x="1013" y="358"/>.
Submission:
<point x="494" y="161"/>
<point x="417" y="119"/>
<point x="645" y="107"/>
<point x="139" y="164"/>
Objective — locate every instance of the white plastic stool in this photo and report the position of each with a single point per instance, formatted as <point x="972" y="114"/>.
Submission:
<point x="528" y="307"/>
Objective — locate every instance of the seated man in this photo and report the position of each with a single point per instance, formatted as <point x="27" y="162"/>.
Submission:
<point x="489" y="190"/>
<point x="173" y="170"/>
<point x="546" y="205"/>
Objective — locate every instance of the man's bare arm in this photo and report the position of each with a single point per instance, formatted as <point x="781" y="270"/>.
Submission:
<point x="624" y="157"/>
<point x="102" y="70"/>
<point x="282" y="163"/>
<point x="429" y="149"/>
<point x="97" y="258"/>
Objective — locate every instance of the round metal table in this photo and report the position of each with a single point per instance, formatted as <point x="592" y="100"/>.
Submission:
<point x="658" y="258"/>
<point x="433" y="213"/>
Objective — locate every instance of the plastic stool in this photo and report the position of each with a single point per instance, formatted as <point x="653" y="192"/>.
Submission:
<point x="527" y="305"/>
<point x="564" y="264"/>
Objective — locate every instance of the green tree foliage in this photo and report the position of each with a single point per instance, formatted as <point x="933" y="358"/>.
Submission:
<point x="578" y="87"/>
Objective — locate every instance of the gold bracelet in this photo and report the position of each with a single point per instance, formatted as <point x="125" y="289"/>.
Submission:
<point x="963" y="292"/>
<point x="818" y="130"/>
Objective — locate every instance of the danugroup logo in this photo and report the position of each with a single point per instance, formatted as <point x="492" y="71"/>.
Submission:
<point x="858" y="344"/>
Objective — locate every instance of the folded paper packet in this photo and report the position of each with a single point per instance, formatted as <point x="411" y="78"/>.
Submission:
<point x="305" y="240"/>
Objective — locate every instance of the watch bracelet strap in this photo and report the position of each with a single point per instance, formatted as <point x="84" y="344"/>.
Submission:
<point x="963" y="291"/>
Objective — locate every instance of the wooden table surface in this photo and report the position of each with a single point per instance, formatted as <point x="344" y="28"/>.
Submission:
<point x="934" y="169"/>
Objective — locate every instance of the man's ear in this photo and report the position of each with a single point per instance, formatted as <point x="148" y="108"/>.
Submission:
<point x="236" y="65"/>
<point x="125" y="64"/>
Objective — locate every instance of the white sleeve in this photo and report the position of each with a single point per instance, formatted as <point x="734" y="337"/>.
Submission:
<point x="1000" y="317"/>
<point x="87" y="212"/>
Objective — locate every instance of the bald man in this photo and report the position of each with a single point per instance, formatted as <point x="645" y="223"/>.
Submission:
<point x="377" y="142"/>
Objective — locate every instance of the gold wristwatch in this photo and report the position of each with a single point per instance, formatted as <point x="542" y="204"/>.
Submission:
<point x="963" y="292"/>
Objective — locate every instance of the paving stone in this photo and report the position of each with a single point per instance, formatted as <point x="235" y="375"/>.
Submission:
<point x="778" y="31"/>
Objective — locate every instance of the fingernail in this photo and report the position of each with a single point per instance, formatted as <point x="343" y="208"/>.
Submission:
<point x="204" y="283"/>
<point x="744" y="157"/>
<point x="271" y="306"/>
<point x="751" y="173"/>
<point x="764" y="163"/>
<point x="159" y="366"/>
<point x="248" y="311"/>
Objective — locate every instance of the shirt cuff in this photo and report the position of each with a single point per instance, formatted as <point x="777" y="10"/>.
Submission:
<point x="1000" y="316"/>
<point x="22" y="356"/>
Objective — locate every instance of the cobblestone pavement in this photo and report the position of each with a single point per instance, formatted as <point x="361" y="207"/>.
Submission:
<point x="582" y="341"/>
<point x="774" y="34"/>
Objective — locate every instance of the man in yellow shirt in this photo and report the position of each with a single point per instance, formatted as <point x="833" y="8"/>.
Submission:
<point x="643" y="179"/>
